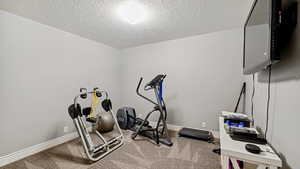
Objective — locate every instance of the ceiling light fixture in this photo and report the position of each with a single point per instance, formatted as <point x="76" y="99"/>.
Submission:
<point x="132" y="12"/>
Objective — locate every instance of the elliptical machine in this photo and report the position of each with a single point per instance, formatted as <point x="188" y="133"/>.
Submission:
<point x="94" y="152"/>
<point x="159" y="133"/>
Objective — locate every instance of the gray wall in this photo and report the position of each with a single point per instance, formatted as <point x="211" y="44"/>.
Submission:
<point x="41" y="69"/>
<point x="204" y="76"/>
<point x="284" y="102"/>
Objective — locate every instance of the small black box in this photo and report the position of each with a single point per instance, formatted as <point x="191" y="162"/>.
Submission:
<point x="196" y="134"/>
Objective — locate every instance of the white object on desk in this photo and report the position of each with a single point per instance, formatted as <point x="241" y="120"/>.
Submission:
<point x="235" y="150"/>
<point x="234" y="114"/>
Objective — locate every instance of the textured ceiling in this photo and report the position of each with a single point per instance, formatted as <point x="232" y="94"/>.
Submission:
<point x="97" y="19"/>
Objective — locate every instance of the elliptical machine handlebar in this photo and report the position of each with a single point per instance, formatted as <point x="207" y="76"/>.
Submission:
<point x="145" y="88"/>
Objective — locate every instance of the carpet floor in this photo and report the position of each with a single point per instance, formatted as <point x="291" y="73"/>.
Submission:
<point x="140" y="154"/>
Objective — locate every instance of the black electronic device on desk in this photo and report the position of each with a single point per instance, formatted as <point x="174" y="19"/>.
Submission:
<point x="246" y="135"/>
<point x="253" y="148"/>
<point x="255" y="140"/>
<point x="242" y="131"/>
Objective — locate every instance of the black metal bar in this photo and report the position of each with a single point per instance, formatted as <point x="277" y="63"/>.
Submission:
<point x="144" y="97"/>
<point x="241" y="93"/>
<point x="142" y="125"/>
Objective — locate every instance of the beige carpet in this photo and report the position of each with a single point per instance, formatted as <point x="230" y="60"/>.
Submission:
<point x="142" y="154"/>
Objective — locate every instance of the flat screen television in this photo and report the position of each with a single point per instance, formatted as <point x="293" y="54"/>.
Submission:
<point x="261" y="30"/>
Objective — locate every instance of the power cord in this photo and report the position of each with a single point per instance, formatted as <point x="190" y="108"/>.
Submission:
<point x="268" y="101"/>
<point x="253" y="93"/>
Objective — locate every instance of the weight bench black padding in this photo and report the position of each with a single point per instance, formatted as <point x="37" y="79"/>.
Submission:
<point x="196" y="134"/>
<point x="86" y="111"/>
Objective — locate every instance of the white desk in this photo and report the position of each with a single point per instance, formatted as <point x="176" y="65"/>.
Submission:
<point x="235" y="150"/>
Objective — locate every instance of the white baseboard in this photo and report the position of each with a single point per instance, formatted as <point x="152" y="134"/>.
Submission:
<point x="10" y="158"/>
<point x="170" y="126"/>
<point x="177" y="128"/>
<point x="216" y="134"/>
<point x="174" y="127"/>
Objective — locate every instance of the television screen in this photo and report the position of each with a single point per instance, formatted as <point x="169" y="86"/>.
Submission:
<point x="260" y="36"/>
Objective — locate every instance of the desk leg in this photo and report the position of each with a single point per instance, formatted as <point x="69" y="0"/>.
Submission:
<point x="262" y="167"/>
<point x="225" y="162"/>
<point x="235" y="163"/>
